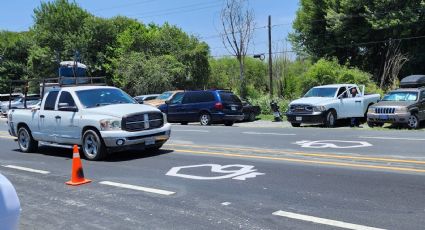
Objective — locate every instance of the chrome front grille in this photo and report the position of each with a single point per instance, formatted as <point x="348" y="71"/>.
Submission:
<point x="384" y="110"/>
<point x="301" y="108"/>
<point x="142" y="121"/>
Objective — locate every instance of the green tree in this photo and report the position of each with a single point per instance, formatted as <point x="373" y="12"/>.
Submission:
<point x="362" y="33"/>
<point x="139" y="74"/>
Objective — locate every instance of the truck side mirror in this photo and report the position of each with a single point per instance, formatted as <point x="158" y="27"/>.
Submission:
<point x="67" y="107"/>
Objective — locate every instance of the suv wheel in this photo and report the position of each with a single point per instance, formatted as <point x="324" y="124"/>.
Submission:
<point x="375" y="124"/>
<point x="26" y="142"/>
<point x="229" y="123"/>
<point x="413" y="121"/>
<point x="296" y="124"/>
<point x="93" y="147"/>
<point x="251" y="117"/>
<point x="205" y="119"/>
<point x="330" y="119"/>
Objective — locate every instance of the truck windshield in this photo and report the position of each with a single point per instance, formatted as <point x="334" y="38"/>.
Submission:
<point x="103" y="96"/>
<point x="321" y="92"/>
<point x="401" y="96"/>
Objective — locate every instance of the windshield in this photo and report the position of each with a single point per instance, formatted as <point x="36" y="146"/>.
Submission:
<point x="321" y="92"/>
<point x="165" y="95"/>
<point x="103" y="96"/>
<point x="401" y="96"/>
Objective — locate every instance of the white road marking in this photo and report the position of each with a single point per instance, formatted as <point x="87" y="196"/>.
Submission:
<point x="225" y="203"/>
<point x="191" y="130"/>
<point x="393" y="138"/>
<point x="333" y="144"/>
<point x="139" y="188"/>
<point x="26" y="169"/>
<point x="318" y="220"/>
<point x="275" y="134"/>
<point x="239" y="172"/>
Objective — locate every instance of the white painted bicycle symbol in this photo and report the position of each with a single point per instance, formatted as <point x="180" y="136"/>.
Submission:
<point x="236" y="172"/>
<point x="336" y="144"/>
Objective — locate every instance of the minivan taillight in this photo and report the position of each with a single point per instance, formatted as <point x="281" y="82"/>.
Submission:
<point x="218" y="106"/>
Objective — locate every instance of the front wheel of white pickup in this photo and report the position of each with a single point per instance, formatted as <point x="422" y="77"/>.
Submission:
<point x="93" y="146"/>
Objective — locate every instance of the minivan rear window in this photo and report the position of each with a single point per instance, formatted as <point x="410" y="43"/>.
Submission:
<point x="229" y="97"/>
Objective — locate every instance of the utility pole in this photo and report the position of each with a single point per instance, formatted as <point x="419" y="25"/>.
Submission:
<point x="270" y="57"/>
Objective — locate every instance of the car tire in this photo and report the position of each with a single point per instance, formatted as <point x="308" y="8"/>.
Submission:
<point x="375" y="124"/>
<point x="296" y="124"/>
<point x="205" y="119"/>
<point x="26" y="142"/>
<point x="413" y="121"/>
<point x="92" y="145"/>
<point x="154" y="148"/>
<point x="330" y="119"/>
<point x="229" y="123"/>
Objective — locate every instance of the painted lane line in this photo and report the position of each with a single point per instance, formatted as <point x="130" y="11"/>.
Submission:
<point x="191" y="130"/>
<point x="402" y="169"/>
<point x="226" y="203"/>
<point x="393" y="138"/>
<point x="275" y="134"/>
<point x="321" y="155"/>
<point x="7" y="137"/>
<point x="138" y="188"/>
<point x="26" y="169"/>
<point x="329" y="222"/>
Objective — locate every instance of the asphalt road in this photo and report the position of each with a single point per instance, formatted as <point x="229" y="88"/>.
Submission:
<point x="241" y="178"/>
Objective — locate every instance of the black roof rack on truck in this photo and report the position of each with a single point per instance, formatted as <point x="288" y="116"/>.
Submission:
<point x="53" y="83"/>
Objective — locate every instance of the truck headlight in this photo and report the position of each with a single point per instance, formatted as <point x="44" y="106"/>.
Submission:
<point x="164" y="116"/>
<point x="319" y="108"/>
<point x="110" y="124"/>
<point x="401" y="109"/>
<point x="370" y="110"/>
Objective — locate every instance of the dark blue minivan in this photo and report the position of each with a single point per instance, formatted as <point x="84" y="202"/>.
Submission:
<point x="206" y="106"/>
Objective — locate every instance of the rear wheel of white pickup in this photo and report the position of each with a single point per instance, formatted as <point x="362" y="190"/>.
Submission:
<point x="93" y="147"/>
<point x="26" y="142"/>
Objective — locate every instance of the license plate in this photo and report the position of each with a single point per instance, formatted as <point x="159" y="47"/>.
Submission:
<point x="298" y="118"/>
<point x="150" y="141"/>
<point x="383" y="117"/>
<point x="233" y="108"/>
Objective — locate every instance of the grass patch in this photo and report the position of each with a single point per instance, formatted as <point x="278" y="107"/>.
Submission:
<point x="268" y="117"/>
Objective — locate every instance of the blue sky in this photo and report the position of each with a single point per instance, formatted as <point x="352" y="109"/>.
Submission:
<point x="197" y="17"/>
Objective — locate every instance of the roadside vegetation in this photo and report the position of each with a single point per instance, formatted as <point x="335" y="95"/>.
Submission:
<point x="335" y="42"/>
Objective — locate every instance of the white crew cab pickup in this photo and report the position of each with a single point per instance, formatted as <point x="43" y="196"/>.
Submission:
<point x="100" y="119"/>
<point x="328" y="103"/>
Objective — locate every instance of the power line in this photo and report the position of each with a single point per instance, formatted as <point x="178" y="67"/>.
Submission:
<point x="124" y="5"/>
<point x="341" y="46"/>
<point x="181" y="9"/>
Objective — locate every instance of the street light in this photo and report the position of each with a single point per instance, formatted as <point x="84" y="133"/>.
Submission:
<point x="260" y="56"/>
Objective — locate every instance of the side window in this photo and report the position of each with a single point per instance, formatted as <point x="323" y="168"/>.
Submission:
<point x="191" y="97"/>
<point x="50" y="100"/>
<point x="66" y="97"/>
<point x="177" y="99"/>
<point x="207" y="97"/>
<point x="342" y="91"/>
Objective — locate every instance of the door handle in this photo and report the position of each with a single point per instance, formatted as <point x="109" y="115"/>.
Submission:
<point x="358" y="101"/>
<point x="58" y="117"/>
<point x="41" y="116"/>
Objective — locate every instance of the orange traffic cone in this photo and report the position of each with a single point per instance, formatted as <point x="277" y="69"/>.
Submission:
<point x="77" y="174"/>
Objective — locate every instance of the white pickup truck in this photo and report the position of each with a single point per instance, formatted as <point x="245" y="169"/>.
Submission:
<point x="328" y="103"/>
<point x="100" y="119"/>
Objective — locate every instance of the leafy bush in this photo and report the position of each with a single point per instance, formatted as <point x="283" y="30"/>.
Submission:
<point x="325" y="72"/>
<point x="264" y="103"/>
